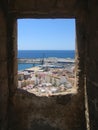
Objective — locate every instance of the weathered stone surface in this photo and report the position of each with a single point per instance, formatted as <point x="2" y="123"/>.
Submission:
<point x="3" y="74"/>
<point x="43" y="8"/>
<point x="60" y="112"/>
<point x="92" y="63"/>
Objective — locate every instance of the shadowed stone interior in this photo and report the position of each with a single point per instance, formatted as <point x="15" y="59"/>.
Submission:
<point x="21" y="110"/>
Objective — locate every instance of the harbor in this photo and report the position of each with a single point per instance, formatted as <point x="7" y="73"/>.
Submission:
<point x="53" y="76"/>
<point x="46" y="60"/>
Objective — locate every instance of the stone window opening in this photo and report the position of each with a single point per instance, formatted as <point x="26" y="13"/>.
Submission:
<point x="47" y="79"/>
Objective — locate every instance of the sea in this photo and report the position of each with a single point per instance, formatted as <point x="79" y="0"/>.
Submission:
<point x="42" y="54"/>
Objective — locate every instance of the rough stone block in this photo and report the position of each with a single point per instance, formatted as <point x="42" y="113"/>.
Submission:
<point x="3" y="48"/>
<point x="3" y="69"/>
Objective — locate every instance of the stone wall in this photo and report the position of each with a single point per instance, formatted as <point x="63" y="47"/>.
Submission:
<point x="62" y="112"/>
<point x="43" y="8"/>
<point x="4" y="91"/>
<point x="92" y="63"/>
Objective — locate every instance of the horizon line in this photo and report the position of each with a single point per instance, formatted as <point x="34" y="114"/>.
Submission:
<point x="46" y="50"/>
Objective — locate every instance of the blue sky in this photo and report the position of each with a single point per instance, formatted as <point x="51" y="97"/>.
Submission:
<point x="46" y="34"/>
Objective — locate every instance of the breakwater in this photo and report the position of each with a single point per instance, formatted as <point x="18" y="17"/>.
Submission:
<point x="46" y="60"/>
